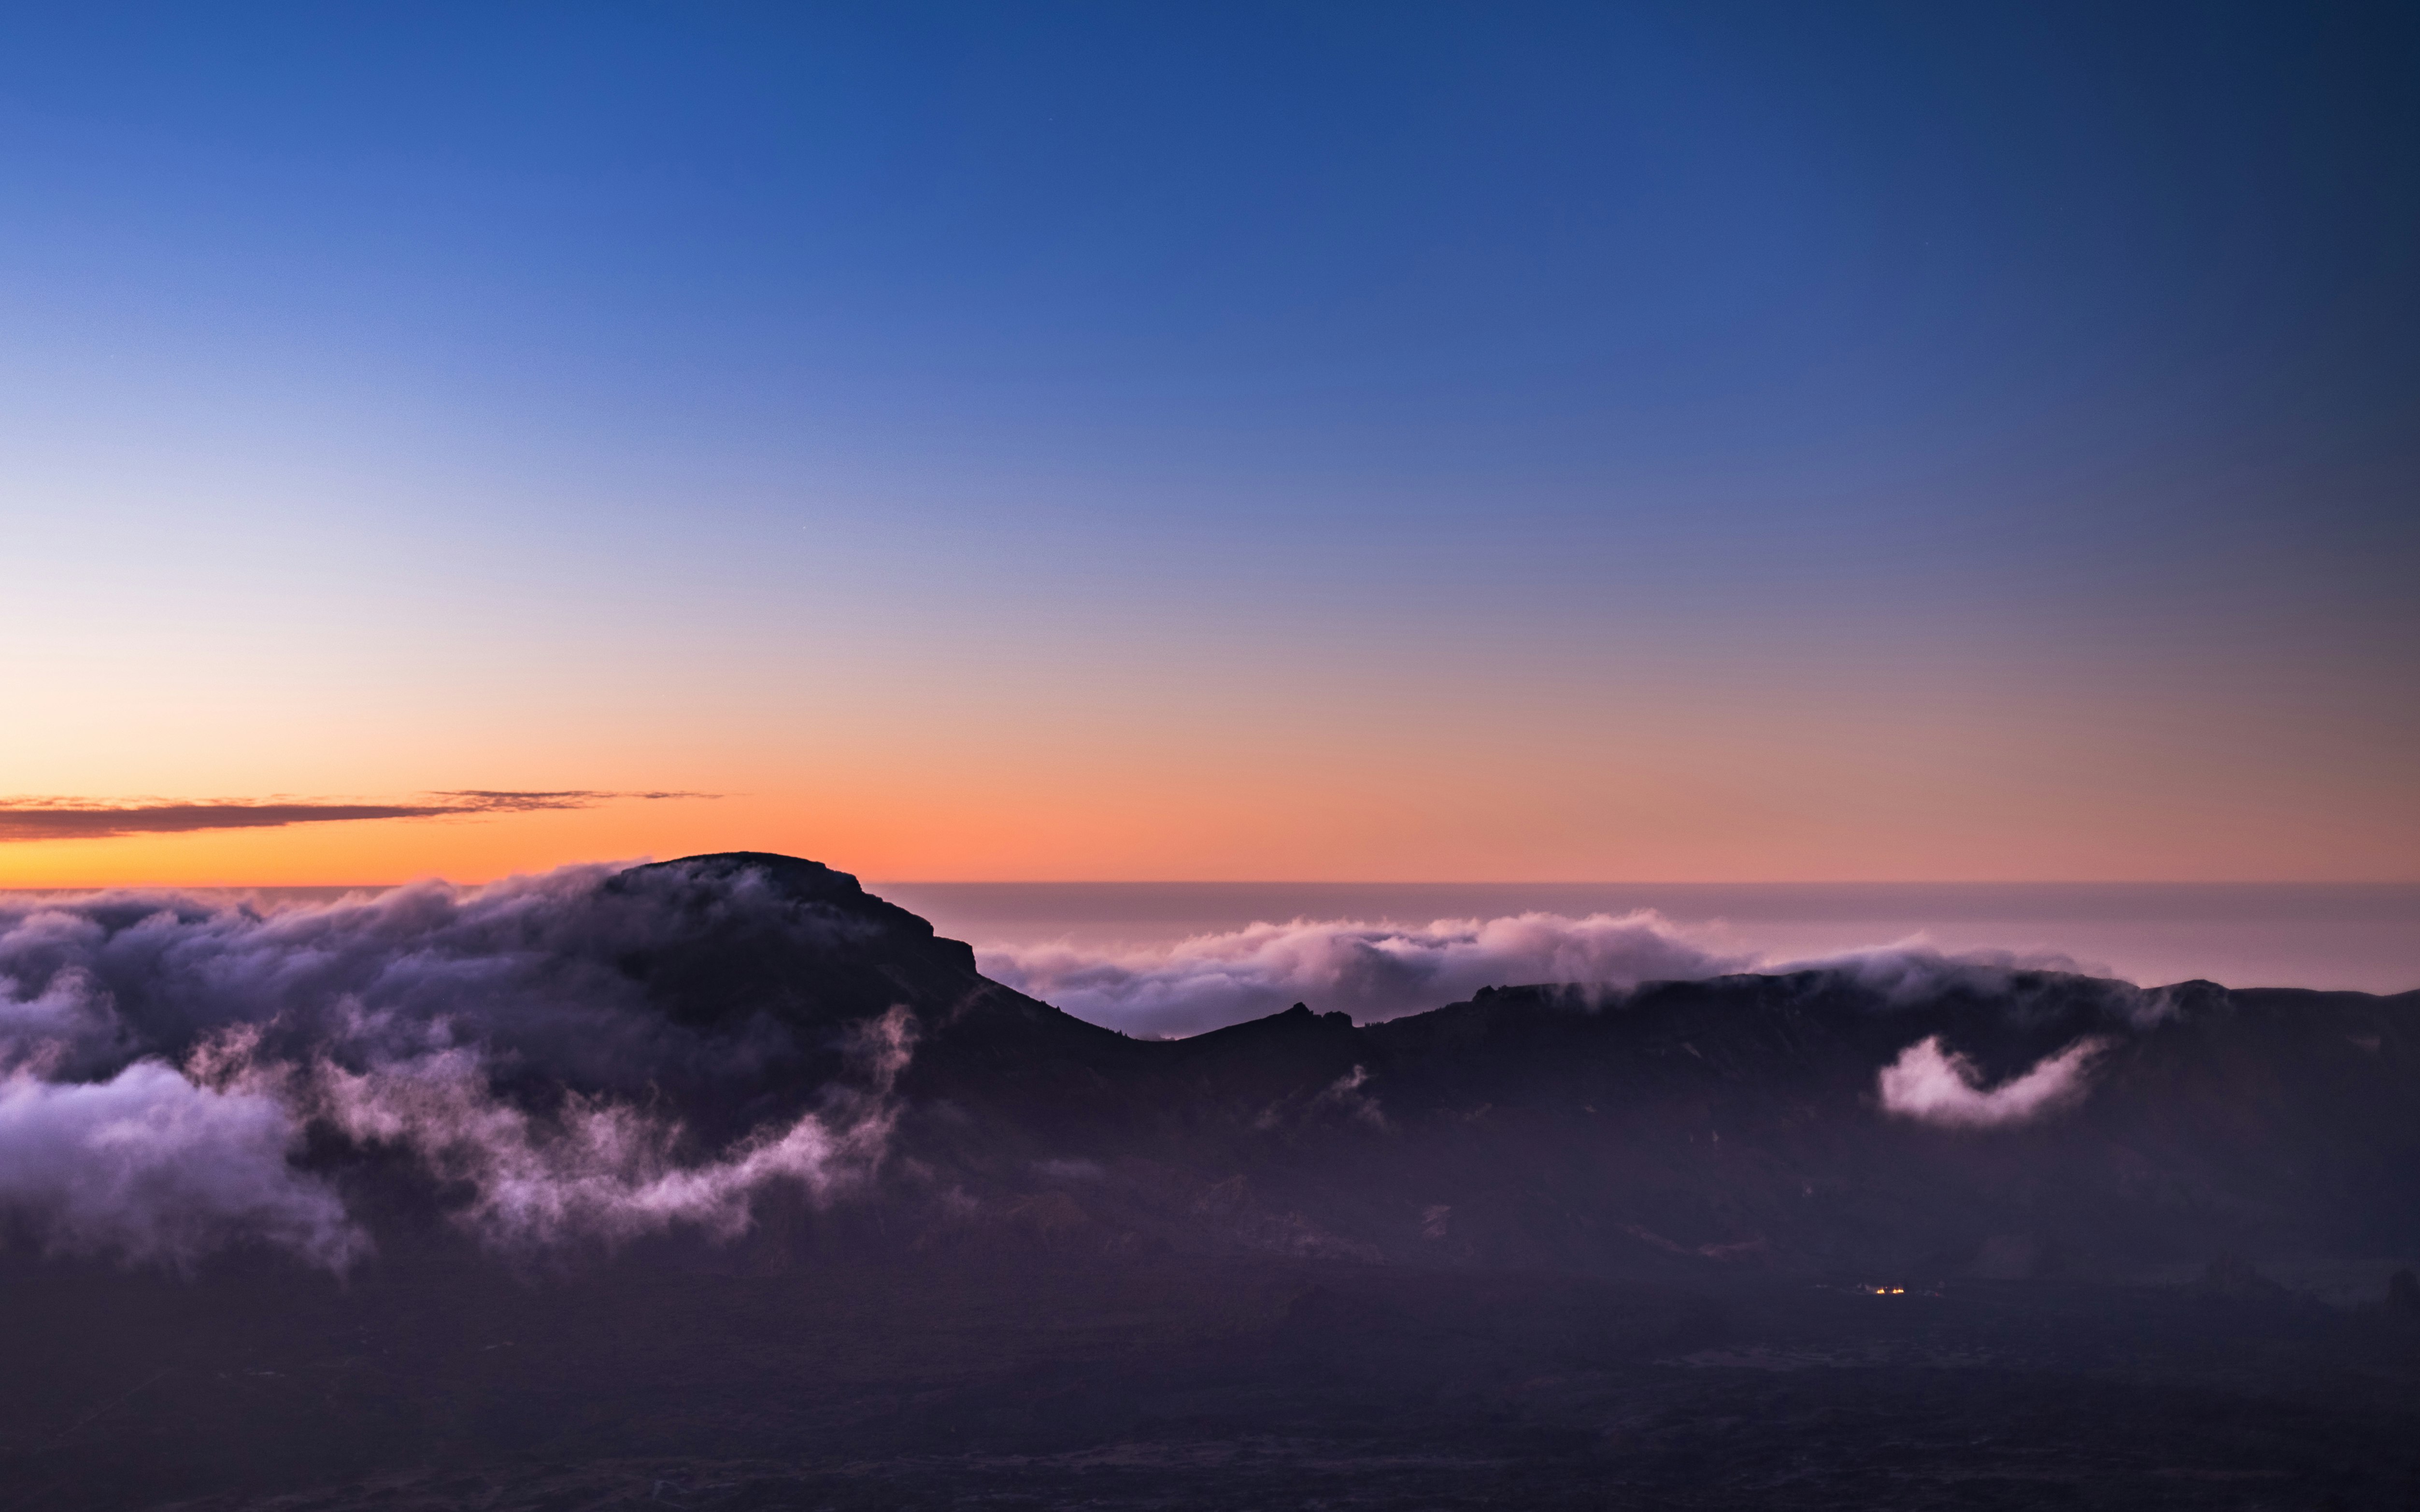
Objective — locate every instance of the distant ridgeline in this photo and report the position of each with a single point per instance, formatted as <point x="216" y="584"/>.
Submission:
<point x="752" y="1049"/>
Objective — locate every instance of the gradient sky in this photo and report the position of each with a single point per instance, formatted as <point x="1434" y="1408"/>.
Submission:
<point x="1706" y="442"/>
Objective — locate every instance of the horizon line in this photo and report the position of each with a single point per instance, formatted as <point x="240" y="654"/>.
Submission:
<point x="1300" y="882"/>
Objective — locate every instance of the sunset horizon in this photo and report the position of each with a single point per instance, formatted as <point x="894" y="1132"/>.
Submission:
<point x="1547" y="756"/>
<point x="1686" y="447"/>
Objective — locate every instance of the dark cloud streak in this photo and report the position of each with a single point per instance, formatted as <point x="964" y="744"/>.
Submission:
<point x="57" y="818"/>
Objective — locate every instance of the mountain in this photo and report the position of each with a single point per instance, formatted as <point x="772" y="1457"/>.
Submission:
<point x="723" y="1184"/>
<point x="1738" y="1122"/>
<point x="1681" y="1127"/>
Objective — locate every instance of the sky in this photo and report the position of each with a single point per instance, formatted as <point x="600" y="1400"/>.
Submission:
<point x="1694" y="443"/>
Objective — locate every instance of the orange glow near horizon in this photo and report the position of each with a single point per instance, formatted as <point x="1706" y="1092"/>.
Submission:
<point x="1111" y="759"/>
<point x="1686" y="483"/>
<point x="1103" y="825"/>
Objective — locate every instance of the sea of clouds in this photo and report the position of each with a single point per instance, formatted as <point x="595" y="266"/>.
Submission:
<point x="168" y="1061"/>
<point x="1372" y="970"/>
<point x="1379" y="970"/>
<point x="1383" y="969"/>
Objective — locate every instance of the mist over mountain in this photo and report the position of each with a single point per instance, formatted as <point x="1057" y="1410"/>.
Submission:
<point x="723" y="1183"/>
<point x="589" y="1057"/>
<point x="1366" y="970"/>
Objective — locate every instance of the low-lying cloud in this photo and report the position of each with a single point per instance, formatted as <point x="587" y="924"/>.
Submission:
<point x="165" y="1059"/>
<point x="1937" y="1085"/>
<point x="598" y="1169"/>
<point x="1383" y="969"/>
<point x="1368" y="971"/>
<point x="24" y="819"/>
<point x="180" y="1075"/>
<point x="150" y="1168"/>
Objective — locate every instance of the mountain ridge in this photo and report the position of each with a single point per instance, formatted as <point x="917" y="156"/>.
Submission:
<point x="723" y="1183"/>
<point x="1733" y="1120"/>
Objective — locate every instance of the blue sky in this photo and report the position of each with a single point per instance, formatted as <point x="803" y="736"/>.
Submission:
<point x="431" y="384"/>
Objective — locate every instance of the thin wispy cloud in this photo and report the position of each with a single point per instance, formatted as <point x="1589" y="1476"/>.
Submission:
<point x="25" y="819"/>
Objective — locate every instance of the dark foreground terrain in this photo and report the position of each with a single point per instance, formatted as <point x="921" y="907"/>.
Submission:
<point x="724" y="1184"/>
<point x="1045" y="1383"/>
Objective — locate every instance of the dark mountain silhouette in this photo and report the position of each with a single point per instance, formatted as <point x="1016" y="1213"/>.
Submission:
<point x="1668" y="1249"/>
<point x="1681" y="1127"/>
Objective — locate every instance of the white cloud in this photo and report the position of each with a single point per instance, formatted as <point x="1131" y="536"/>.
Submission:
<point x="148" y="1167"/>
<point x="388" y="1020"/>
<point x="1368" y="971"/>
<point x="1940" y="1086"/>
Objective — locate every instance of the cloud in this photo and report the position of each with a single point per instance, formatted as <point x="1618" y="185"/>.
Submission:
<point x="1381" y="970"/>
<point x="177" y="1072"/>
<point x="147" y="1166"/>
<point x="25" y="819"/>
<point x="164" y="1059"/>
<point x="524" y="967"/>
<point x="1345" y="1093"/>
<point x="2026" y="984"/>
<point x="1913" y="969"/>
<point x="1370" y="970"/>
<point x="1940" y="1086"/>
<point x="601" y="1170"/>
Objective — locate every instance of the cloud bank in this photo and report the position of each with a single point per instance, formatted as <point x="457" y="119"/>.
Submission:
<point x="164" y="1061"/>
<point x="1370" y="970"/>
<point x="62" y="818"/>
<point x="1379" y="971"/>
<point x="1383" y="969"/>
<point x="179" y="1074"/>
